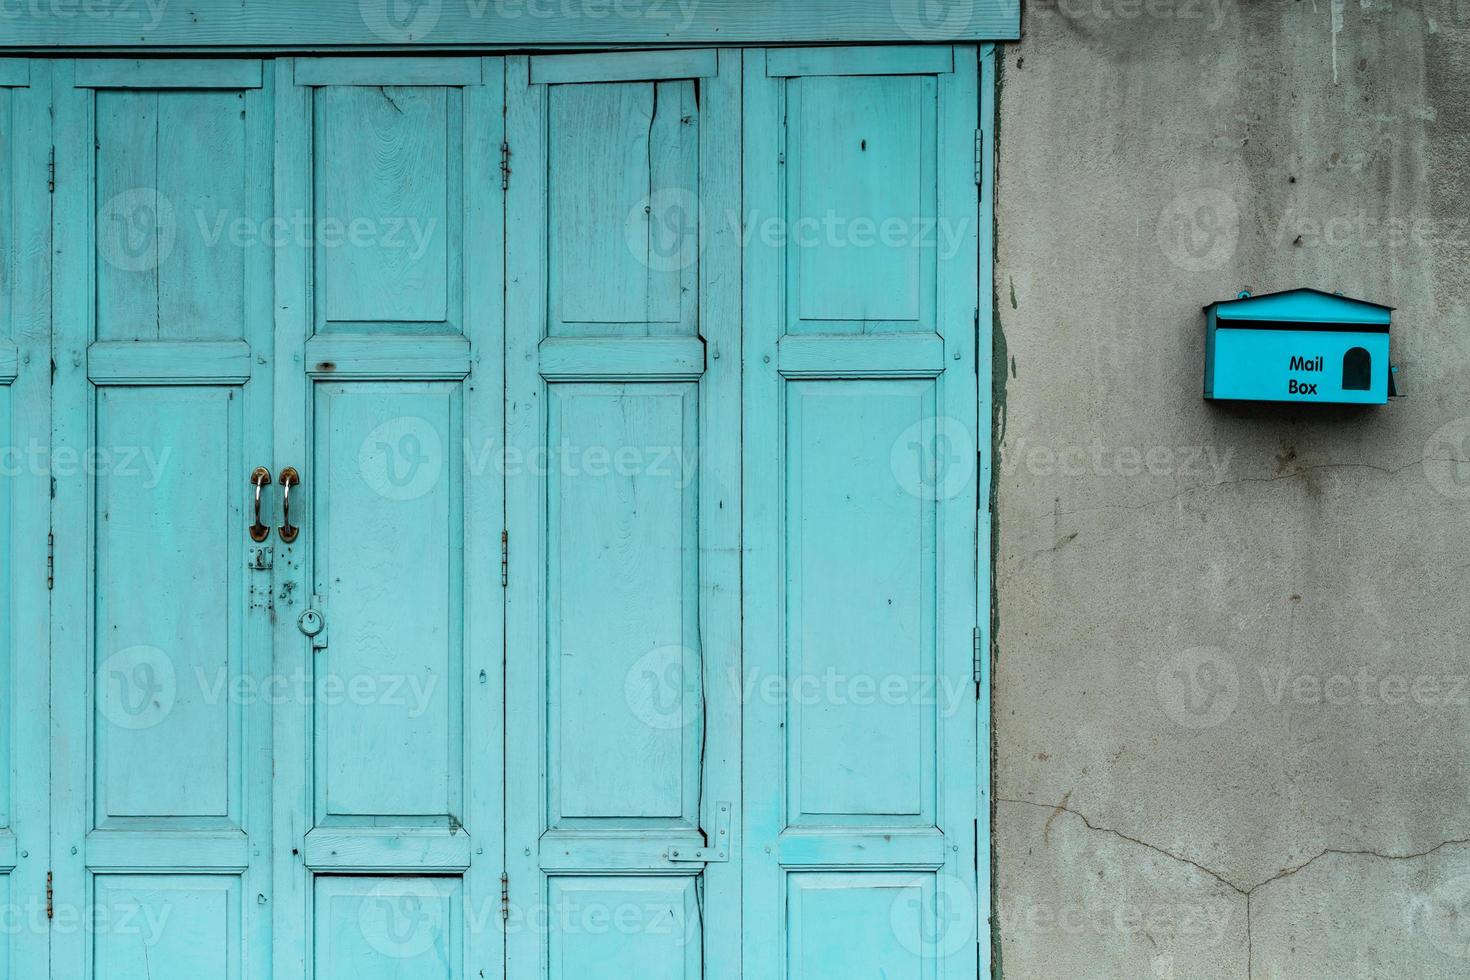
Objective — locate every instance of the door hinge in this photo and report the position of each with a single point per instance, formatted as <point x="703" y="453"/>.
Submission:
<point x="50" y="896"/>
<point x="50" y="562"/>
<point x="978" y="661"/>
<point x="505" y="166"/>
<point x="504" y="897"/>
<point x="504" y="559"/>
<point x="715" y="851"/>
<point x="51" y="172"/>
<point x="979" y="156"/>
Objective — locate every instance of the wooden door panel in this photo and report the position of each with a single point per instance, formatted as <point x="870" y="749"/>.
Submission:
<point x="860" y="596"/>
<point x="623" y="630"/>
<point x="623" y="198"/>
<point x="388" y="795"/>
<point x="861" y="418"/>
<point x="162" y="353"/>
<point x="389" y="556"/>
<point x="860" y="203"/>
<point x="174" y="927"/>
<point x="388" y="225"/>
<point x="170" y="564"/>
<point x="623" y="606"/>
<point x="173" y="171"/>
<point x="373" y="928"/>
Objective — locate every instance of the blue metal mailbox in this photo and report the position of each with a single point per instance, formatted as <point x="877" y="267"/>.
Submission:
<point x="1302" y="345"/>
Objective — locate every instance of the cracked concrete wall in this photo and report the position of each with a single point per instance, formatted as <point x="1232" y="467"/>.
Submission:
<point x="1231" y="682"/>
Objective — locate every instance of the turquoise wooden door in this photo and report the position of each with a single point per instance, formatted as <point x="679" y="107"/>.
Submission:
<point x="622" y="412"/>
<point x="160" y="636"/>
<point x="388" y="778"/>
<point x="861" y="499"/>
<point x="25" y="421"/>
<point x="611" y="421"/>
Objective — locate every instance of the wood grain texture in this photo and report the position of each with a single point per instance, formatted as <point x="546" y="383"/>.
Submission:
<point x="388" y="71"/>
<point x="623" y="66"/>
<point x="385" y="159"/>
<point x="190" y="73"/>
<point x="849" y="62"/>
<point x="335" y="24"/>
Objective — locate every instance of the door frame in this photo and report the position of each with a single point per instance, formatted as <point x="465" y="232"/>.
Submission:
<point x="25" y="579"/>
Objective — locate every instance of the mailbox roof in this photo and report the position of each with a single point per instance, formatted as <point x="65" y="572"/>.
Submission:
<point x="1302" y="306"/>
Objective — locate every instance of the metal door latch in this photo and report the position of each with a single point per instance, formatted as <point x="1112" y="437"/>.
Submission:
<point x="313" y="624"/>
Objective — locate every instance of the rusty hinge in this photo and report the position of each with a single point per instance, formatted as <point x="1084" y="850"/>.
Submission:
<point x="50" y="562"/>
<point x="504" y="897"/>
<point x="51" y="172"/>
<point x="504" y="558"/>
<point x="50" y="896"/>
<point x="505" y="166"/>
<point x="979" y="156"/>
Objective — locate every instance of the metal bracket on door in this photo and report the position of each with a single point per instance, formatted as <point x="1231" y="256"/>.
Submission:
<point x="718" y="851"/>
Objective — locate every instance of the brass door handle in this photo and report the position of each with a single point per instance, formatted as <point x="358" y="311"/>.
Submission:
<point x="289" y="478"/>
<point x="259" y="479"/>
